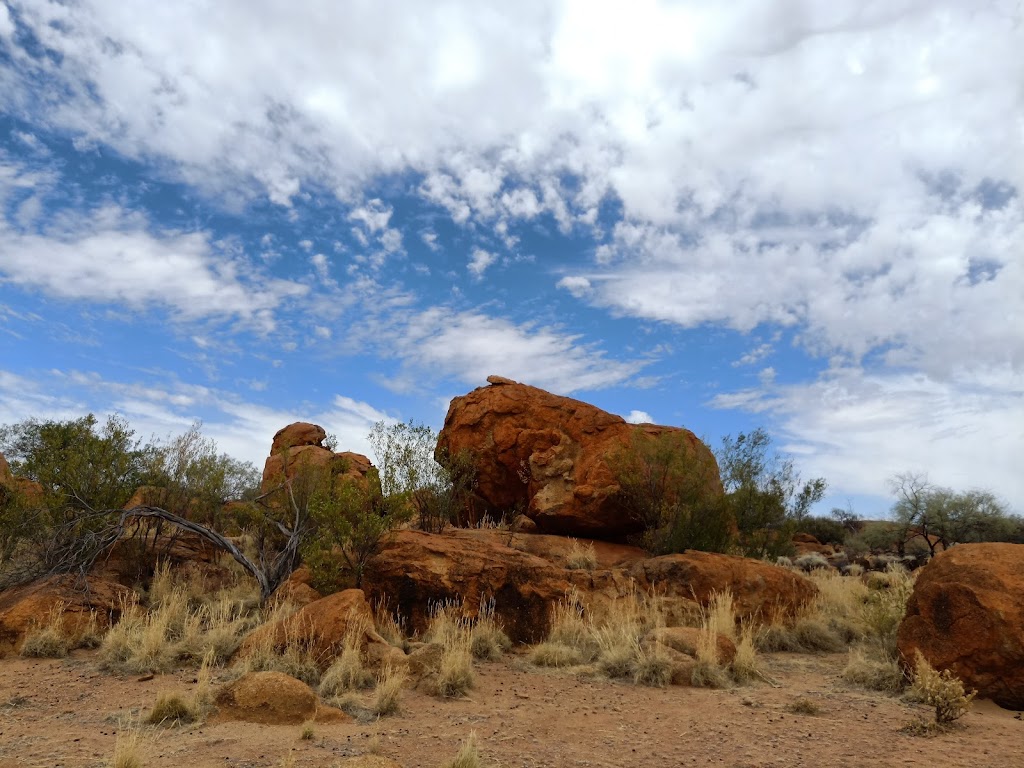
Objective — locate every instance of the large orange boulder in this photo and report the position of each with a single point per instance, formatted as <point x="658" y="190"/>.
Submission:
<point x="26" y="606"/>
<point x="553" y="457"/>
<point x="322" y="627"/>
<point x="759" y="589"/>
<point x="273" y="698"/>
<point x="966" y="614"/>
<point x="301" y="444"/>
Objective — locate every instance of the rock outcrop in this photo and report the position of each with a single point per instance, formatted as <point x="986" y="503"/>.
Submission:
<point x="553" y="457"/>
<point x="966" y="614"/>
<point x="758" y="589"/>
<point x="301" y="444"/>
<point x="416" y="570"/>
<point x="26" y="606"/>
<point x="273" y="698"/>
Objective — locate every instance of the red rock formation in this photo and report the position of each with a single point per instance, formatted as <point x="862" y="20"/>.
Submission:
<point x="25" y="606"/>
<point x="552" y="455"/>
<point x="415" y="570"/>
<point x="758" y="588"/>
<point x="302" y="444"/>
<point x="966" y="614"/>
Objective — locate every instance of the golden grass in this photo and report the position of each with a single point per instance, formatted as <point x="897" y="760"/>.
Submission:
<point x="555" y="655"/>
<point x="873" y="674"/>
<point x="468" y="755"/>
<point x="488" y="641"/>
<point x="389" y="691"/>
<point x="455" y="674"/>
<point x="581" y="557"/>
<point x="347" y="672"/>
<point x="389" y="626"/>
<point x="128" y="747"/>
<point x="50" y="638"/>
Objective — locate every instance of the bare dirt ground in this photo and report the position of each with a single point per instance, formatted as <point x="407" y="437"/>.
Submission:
<point x="67" y="713"/>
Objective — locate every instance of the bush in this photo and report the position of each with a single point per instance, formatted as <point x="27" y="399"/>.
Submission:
<point x="944" y="691"/>
<point x="873" y="674"/>
<point x="389" y="691"/>
<point x="824" y="529"/>
<point x="665" y="489"/>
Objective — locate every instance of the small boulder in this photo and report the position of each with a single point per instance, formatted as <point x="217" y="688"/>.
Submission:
<point x="298" y="434"/>
<point x="966" y="614"/>
<point x="273" y="698"/>
<point x="321" y="627"/>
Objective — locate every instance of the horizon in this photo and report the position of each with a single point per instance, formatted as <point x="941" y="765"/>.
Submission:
<point x="802" y="217"/>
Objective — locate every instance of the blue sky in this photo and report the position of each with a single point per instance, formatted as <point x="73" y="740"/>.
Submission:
<point x="801" y="215"/>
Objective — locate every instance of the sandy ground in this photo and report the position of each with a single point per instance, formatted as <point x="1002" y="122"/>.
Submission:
<point x="67" y="713"/>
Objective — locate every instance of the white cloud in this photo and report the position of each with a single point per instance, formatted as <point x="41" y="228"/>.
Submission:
<point x="469" y="346"/>
<point x="6" y="22"/>
<point x="857" y="429"/>
<point x="479" y="261"/>
<point x="756" y="355"/>
<point x="577" y="285"/>
<point x="639" y="417"/>
<point x="111" y="255"/>
<point x="243" y="430"/>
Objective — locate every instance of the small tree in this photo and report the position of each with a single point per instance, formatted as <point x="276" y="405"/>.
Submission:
<point x="765" y="493"/>
<point x="942" y="517"/>
<point x="666" y="492"/>
<point x="435" y="489"/>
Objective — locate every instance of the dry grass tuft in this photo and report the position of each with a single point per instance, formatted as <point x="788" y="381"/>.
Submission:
<point x="128" y="747"/>
<point x="390" y="626"/>
<point x="581" y="557"/>
<point x="389" y="691"/>
<point x="347" y="672"/>
<point x="294" y="657"/>
<point x="455" y="671"/>
<point x="173" y="709"/>
<point x="555" y="655"/>
<point x="873" y="674"/>
<point x="50" y="639"/>
<point x="469" y="754"/>
<point x="488" y="641"/>
<point x="746" y="666"/>
<point x="804" y="706"/>
<point x="652" y="667"/>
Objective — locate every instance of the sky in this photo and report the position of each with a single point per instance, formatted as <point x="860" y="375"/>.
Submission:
<point x="805" y="216"/>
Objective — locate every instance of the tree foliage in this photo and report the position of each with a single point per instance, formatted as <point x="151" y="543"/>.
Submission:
<point x="667" y="492"/>
<point x="436" y="490"/>
<point x="765" y="493"/>
<point x="940" y="517"/>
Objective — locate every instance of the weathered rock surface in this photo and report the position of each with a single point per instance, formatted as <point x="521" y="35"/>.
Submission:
<point x="301" y="444"/>
<point x="416" y="570"/>
<point x="550" y="456"/>
<point x="273" y="698"/>
<point x="23" y="607"/>
<point x="966" y="614"/>
<point x="758" y="588"/>
<point x="298" y="589"/>
<point x="321" y="626"/>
